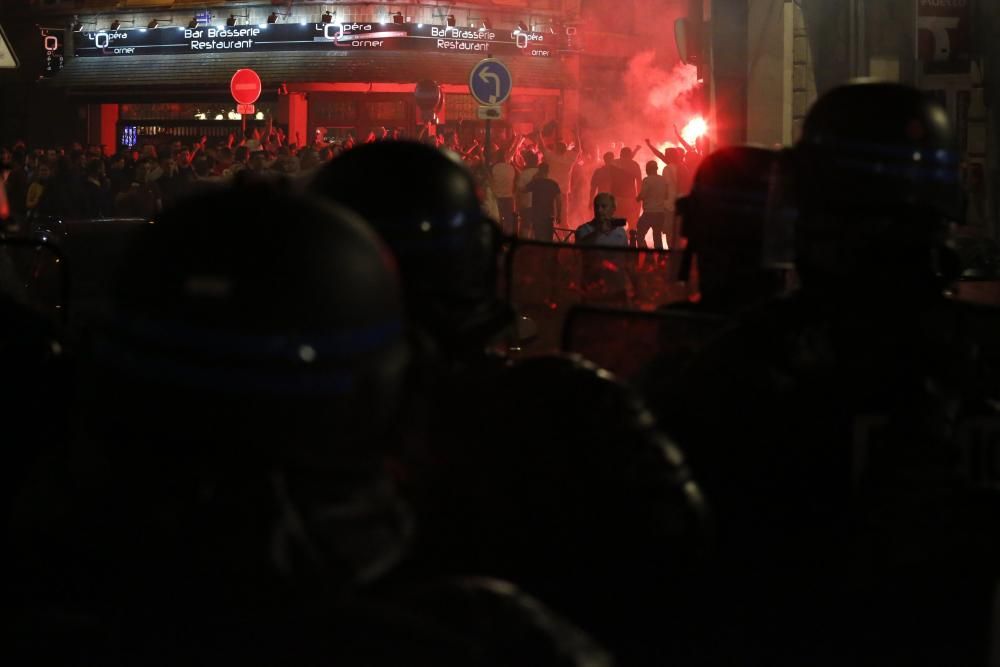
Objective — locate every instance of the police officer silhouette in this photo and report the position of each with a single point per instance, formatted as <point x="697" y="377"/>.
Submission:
<point x="825" y="412"/>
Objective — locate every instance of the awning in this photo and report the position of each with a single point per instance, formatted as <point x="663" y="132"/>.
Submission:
<point x="125" y="78"/>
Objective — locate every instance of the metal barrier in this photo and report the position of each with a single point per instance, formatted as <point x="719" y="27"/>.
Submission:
<point x="65" y="268"/>
<point x="979" y="258"/>
<point x="35" y="273"/>
<point x="626" y="342"/>
<point x="544" y="281"/>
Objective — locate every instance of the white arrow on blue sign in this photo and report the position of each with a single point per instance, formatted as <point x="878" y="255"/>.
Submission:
<point x="490" y="82"/>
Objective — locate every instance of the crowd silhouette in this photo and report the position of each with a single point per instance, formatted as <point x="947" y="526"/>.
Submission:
<point x="304" y="423"/>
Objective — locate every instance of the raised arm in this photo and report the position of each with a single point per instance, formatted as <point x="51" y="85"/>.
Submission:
<point x="680" y="138"/>
<point x="670" y="177"/>
<point x="514" y="148"/>
<point x="471" y="149"/>
<point x="657" y="153"/>
<point x="198" y="147"/>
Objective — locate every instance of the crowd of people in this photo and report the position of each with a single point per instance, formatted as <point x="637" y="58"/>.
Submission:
<point x="294" y="439"/>
<point x="532" y="184"/>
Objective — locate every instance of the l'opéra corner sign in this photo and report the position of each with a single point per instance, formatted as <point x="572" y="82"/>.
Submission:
<point x="8" y="59"/>
<point x="490" y="82"/>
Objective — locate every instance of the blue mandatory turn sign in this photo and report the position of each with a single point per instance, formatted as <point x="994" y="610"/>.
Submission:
<point x="490" y="82"/>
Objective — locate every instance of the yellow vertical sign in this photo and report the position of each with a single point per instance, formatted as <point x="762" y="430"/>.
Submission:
<point x="8" y="60"/>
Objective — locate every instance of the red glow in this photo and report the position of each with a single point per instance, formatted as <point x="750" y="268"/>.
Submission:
<point x="668" y="144"/>
<point x="656" y="97"/>
<point x="694" y="130"/>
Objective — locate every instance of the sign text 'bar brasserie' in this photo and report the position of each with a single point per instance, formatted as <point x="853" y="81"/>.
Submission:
<point x="313" y="37"/>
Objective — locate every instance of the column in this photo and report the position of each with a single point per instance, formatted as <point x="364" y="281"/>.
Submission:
<point x="729" y="69"/>
<point x="297" y="117"/>
<point x="109" y="128"/>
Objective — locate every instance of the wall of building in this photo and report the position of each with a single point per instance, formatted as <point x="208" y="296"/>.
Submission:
<point x="828" y="24"/>
<point x="781" y="79"/>
<point x="878" y="38"/>
<point x="768" y="76"/>
<point x="30" y="110"/>
<point x="988" y="23"/>
<point x="45" y="114"/>
<point x="730" y="47"/>
<point x="890" y="40"/>
<point x="804" y="89"/>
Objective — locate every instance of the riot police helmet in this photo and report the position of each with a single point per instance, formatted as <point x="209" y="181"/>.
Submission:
<point x="876" y="183"/>
<point x="728" y="200"/>
<point x="423" y="203"/>
<point x="874" y="145"/>
<point x="269" y="314"/>
<point x="724" y="221"/>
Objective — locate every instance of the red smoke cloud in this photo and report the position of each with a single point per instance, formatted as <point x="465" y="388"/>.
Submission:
<point x="666" y="95"/>
<point x="653" y="100"/>
<point x="633" y="85"/>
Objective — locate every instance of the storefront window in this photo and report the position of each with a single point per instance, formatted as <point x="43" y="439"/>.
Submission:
<point x="532" y="111"/>
<point x="460" y="107"/>
<point x="387" y="112"/>
<point x="162" y="123"/>
<point x="333" y="110"/>
<point x="189" y="111"/>
<point x="336" y="116"/>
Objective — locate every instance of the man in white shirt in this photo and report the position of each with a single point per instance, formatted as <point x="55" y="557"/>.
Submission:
<point x="626" y="179"/>
<point x="604" y="229"/>
<point x="561" y="161"/>
<point x="523" y="195"/>
<point x="504" y="180"/>
<point x="658" y="195"/>
<point x="603" y="272"/>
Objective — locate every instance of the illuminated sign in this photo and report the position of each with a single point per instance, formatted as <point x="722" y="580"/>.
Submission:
<point x="8" y="59"/>
<point x="52" y="43"/>
<point x="314" y="37"/>
<point x="130" y="136"/>
<point x="944" y="30"/>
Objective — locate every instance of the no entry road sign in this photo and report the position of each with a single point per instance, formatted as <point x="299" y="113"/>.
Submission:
<point x="245" y="86"/>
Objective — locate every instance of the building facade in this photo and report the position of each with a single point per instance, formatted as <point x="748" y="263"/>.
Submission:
<point x="140" y="69"/>
<point x="796" y="49"/>
<point x="337" y="67"/>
